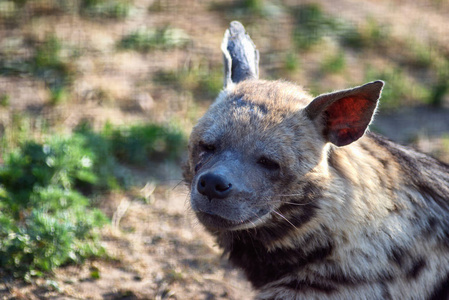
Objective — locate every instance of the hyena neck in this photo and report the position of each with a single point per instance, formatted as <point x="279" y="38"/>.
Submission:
<point x="344" y="217"/>
<point x="248" y="250"/>
<point x="386" y="178"/>
<point x="391" y="184"/>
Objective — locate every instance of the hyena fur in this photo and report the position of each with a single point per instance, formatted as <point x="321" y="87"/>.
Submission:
<point x="305" y="201"/>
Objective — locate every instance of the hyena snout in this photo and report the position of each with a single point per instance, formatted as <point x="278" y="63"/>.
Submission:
<point x="214" y="186"/>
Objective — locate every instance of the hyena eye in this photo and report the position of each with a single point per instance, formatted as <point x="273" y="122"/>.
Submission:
<point x="268" y="164"/>
<point x="207" y="147"/>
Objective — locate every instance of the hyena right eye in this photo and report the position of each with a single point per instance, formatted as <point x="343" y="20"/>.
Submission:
<point x="268" y="163"/>
<point x="207" y="147"/>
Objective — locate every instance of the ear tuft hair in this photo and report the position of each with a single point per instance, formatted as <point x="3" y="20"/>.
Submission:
<point x="241" y="59"/>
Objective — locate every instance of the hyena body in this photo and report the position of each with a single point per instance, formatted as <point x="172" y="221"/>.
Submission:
<point x="308" y="205"/>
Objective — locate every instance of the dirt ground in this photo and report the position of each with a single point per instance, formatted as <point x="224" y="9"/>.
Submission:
<point x="156" y="248"/>
<point x="157" y="251"/>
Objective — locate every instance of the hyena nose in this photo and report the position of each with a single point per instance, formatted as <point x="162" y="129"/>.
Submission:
<point x="214" y="186"/>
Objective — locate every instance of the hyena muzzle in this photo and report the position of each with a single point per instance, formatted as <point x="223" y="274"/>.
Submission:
<point x="308" y="204"/>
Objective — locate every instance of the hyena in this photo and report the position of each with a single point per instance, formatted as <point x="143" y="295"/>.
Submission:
<point x="305" y="201"/>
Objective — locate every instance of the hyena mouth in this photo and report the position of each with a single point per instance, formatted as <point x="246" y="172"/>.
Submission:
<point x="215" y="222"/>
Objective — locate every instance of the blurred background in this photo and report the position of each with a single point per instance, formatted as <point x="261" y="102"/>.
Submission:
<point x="98" y="97"/>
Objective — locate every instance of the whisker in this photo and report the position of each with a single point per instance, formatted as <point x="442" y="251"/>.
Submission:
<point x="290" y="195"/>
<point x="294" y="203"/>
<point x="280" y="215"/>
<point x="187" y="200"/>
<point x="254" y="224"/>
<point x="286" y="202"/>
<point x="178" y="184"/>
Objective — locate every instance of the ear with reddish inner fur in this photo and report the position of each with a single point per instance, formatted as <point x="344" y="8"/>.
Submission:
<point x="345" y="115"/>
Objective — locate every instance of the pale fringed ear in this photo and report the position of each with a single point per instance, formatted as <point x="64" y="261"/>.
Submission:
<point x="345" y="115"/>
<point x="241" y="59"/>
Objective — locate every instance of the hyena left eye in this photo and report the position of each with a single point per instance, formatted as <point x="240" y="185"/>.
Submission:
<point x="207" y="147"/>
<point x="268" y="163"/>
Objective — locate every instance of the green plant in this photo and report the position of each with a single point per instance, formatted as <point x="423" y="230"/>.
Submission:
<point x="139" y="144"/>
<point x="371" y="35"/>
<point x="112" y="9"/>
<point x="439" y="90"/>
<point x="20" y="3"/>
<point x="18" y="130"/>
<point x="251" y="10"/>
<point x="4" y="100"/>
<point x="48" y="54"/>
<point x="157" y="6"/>
<point x="418" y="55"/>
<point x="105" y="167"/>
<point x="61" y="162"/>
<point x="48" y="189"/>
<point x="291" y="62"/>
<point x="58" y="95"/>
<point x="148" y="39"/>
<point x="399" y="89"/>
<point x="8" y="10"/>
<point x="311" y="25"/>
<point x="203" y="81"/>
<point x="46" y="222"/>
<point x="334" y="63"/>
<point x="253" y="6"/>
<point x="48" y="65"/>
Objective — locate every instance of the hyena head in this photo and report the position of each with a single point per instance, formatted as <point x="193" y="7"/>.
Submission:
<point x="262" y="143"/>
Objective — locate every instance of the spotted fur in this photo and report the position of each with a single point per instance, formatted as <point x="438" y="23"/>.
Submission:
<point x="310" y="207"/>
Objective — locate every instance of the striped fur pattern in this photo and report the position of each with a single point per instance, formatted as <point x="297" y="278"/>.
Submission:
<point x="309" y="216"/>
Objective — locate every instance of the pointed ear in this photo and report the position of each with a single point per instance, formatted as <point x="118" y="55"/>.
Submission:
<point x="345" y="115"/>
<point x="241" y="59"/>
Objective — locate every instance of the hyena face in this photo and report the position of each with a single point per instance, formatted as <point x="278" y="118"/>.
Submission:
<point x="260" y="145"/>
<point x="245" y="151"/>
<point x="261" y="142"/>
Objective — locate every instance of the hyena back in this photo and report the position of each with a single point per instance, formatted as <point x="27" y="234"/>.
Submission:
<point x="308" y="204"/>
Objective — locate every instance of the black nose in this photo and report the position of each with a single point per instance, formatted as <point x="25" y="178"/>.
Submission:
<point x="214" y="186"/>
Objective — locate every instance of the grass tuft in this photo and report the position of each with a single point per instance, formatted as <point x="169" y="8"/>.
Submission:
<point x="48" y="65"/>
<point x="291" y="62"/>
<point x="139" y="144"/>
<point x="311" y="26"/>
<point x="400" y="90"/>
<point x="333" y="64"/>
<point x="106" y="9"/>
<point x="4" y="100"/>
<point x="148" y="39"/>
<point x="371" y="35"/>
<point x="203" y="81"/>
